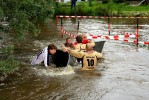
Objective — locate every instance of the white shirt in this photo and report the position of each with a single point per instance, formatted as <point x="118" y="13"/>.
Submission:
<point x="42" y="56"/>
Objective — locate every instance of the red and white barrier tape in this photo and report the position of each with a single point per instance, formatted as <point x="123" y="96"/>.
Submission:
<point x="135" y="41"/>
<point x="123" y="38"/>
<point x="115" y="37"/>
<point x="125" y="33"/>
<point x="120" y="39"/>
<point x="95" y="17"/>
<point x="70" y="34"/>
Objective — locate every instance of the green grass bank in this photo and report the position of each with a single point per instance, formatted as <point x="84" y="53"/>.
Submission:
<point x="99" y="9"/>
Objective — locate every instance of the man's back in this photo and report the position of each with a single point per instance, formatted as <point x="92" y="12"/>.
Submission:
<point x="89" y="59"/>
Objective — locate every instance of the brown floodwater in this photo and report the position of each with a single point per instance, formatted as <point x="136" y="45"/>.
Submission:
<point x="123" y="73"/>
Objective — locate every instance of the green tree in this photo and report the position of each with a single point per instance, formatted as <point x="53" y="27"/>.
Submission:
<point x="90" y="3"/>
<point x="20" y="18"/>
<point x="23" y="15"/>
<point x="109" y="7"/>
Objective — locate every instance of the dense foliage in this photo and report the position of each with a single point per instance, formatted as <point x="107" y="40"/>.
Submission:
<point x="20" y="18"/>
<point x="115" y="1"/>
<point x="23" y="15"/>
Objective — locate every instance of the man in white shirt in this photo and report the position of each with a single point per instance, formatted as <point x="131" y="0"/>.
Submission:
<point x="45" y="55"/>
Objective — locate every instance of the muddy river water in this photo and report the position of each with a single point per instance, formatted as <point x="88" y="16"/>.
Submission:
<point x="123" y="73"/>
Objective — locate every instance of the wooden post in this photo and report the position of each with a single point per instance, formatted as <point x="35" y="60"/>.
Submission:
<point x="109" y="25"/>
<point x="61" y="27"/>
<point x="137" y="31"/>
<point x="78" y="27"/>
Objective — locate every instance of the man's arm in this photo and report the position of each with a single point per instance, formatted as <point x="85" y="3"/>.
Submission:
<point x="76" y="53"/>
<point x="99" y="55"/>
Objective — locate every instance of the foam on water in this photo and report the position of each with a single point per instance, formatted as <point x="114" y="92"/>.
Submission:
<point x="54" y="71"/>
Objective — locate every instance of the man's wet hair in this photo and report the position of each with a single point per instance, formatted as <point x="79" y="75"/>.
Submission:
<point x="79" y="39"/>
<point x="89" y="46"/>
<point x="51" y="47"/>
<point x="68" y="38"/>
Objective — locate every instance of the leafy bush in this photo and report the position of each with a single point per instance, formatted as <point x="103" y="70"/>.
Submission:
<point x="23" y="15"/>
<point x="8" y="64"/>
<point x="80" y="10"/>
<point x="115" y="1"/>
<point x="101" y="10"/>
<point x="8" y="50"/>
<point x="98" y="9"/>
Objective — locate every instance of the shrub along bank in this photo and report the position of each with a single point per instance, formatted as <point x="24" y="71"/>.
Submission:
<point x="99" y="9"/>
<point x="20" y="20"/>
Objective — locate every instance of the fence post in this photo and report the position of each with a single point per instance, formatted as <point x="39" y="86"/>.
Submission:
<point x="109" y="25"/>
<point x="78" y="27"/>
<point x="56" y="20"/>
<point x="61" y="27"/>
<point x="137" y="31"/>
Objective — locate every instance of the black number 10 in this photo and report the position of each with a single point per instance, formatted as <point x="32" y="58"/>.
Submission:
<point x="90" y="62"/>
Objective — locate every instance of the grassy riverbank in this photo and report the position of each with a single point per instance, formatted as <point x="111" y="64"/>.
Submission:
<point x="99" y="9"/>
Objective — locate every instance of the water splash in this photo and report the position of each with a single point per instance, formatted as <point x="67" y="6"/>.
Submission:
<point x="54" y="71"/>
